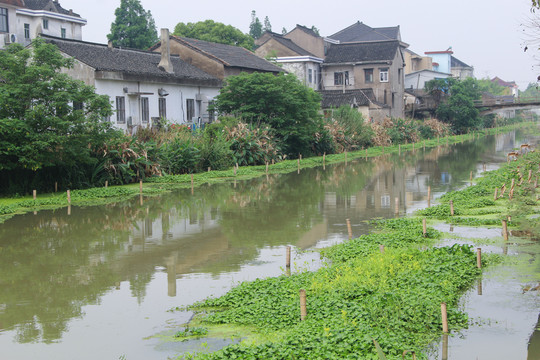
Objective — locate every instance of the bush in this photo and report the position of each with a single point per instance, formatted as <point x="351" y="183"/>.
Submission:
<point x="252" y="146"/>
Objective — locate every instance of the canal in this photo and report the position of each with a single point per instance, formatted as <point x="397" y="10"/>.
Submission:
<point x="97" y="283"/>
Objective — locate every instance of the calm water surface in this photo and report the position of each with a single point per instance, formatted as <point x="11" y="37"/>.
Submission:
<point x="97" y="284"/>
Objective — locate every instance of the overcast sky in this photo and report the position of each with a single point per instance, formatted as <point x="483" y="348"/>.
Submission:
<point x="486" y="34"/>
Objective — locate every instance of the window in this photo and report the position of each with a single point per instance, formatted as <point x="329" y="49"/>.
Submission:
<point x="63" y="33"/>
<point x="145" y="110"/>
<point x="4" y="20"/>
<point x="399" y="76"/>
<point x="341" y="78"/>
<point x="45" y="24"/>
<point x="315" y="76"/>
<point x="78" y="105"/>
<point x="27" y="31"/>
<point x="162" y="103"/>
<point x="368" y="75"/>
<point x="310" y="76"/>
<point x="383" y="75"/>
<point x="190" y="109"/>
<point x="120" y="110"/>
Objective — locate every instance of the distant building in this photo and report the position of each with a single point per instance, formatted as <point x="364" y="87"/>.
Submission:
<point x="21" y="21"/>
<point x="219" y="60"/>
<point x="415" y="62"/>
<point x="144" y="87"/>
<point x="513" y="88"/>
<point x="445" y="62"/>
<point x="360" y="32"/>
<point x="417" y="80"/>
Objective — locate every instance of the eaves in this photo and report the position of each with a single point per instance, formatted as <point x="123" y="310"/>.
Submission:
<point x="354" y="63"/>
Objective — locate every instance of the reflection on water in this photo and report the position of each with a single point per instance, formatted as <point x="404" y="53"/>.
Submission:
<point x="57" y="269"/>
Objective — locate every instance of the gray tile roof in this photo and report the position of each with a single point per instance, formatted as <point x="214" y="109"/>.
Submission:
<point x="361" y="32"/>
<point x="362" y="52"/>
<point x="13" y="2"/>
<point x="337" y="98"/>
<point x="289" y="44"/>
<point x="131" y="62"/>
<point x="454" y="62"/>
<point x="307" y="30"/>
<point x="229" y="55"/>
<point x="48" y="5"/>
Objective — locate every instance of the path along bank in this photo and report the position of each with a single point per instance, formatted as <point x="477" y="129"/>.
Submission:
<point x="158" y="185"/>
<point x="386" y="286"/>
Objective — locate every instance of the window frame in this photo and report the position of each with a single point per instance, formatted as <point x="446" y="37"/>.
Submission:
<point x="310" y="76"/>
<point x="190" y="109"/>
<point x="120" y="109"/>
<point x="162" y="106"/>
<point x="26" y="31"/>
<point x="368" y="80"/>
<point x="384" y="75"/>
<point x="46" y="24"/>
<point x="145" y="109"/>
<point x="63" y="33"/>
<point x="341" y="78"/>
<point x="6" y="17"/>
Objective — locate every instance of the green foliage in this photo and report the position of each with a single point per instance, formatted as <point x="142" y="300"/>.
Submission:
<point x="531" y="92"/>
<point x="403" y="131"/>
<point x="41" y="134"/>
<point x="217" y="32"/>
<point x="255" y="27"/>
<point x="356" y="133"/>
<point x="133" y="27"/>
<point x="252" y="146"/>
<point x="267" y="26"/>
<point x="459" y="109"/>
<point x="279" y="101"/>
<point x="180" y="156"/>
<point x="362" y="295"/>
<point x="486" y="85"/>
<point x="191" y="332"/>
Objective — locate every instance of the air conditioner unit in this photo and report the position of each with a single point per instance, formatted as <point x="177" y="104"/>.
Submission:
<point x="12" y="38"/>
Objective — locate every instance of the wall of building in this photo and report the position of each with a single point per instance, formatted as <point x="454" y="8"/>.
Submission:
<point x="314" y="45"/>
<point x="197" y="59"/>
<point x="418" y="79"/>
<point x="415" y="62"/>
<point x="56" y="22"/>
<point x="176" y="100"/>
<point x="5" y="38"/>
<point x="301" y="70"/>
<point x="443" y="59"/>
<point x="274" y="49"/>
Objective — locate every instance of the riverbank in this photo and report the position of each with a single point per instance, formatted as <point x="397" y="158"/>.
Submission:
<point x="158" y="185"/>
<point x="365" y="293"/>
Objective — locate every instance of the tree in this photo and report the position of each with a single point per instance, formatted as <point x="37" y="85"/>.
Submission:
<point x="217" y="32"/>
<point x="284" y="31"/>
<point x="267" y="25"/>
<point x="280" y="101"/>
<point x="486" y="85"/>
<point x="47" y="119"/>
<point x="531" y="92"/>
<point x="133" y="27"/>
<point x="255" y="28"/>
<point x="459" y="109"/>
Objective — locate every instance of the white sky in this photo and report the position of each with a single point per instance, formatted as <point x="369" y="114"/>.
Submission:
<point x="486" y="34"/>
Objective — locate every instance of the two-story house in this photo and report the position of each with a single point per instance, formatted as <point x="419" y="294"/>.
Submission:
<point x="21" y="21"/>
<point x="376" y="66"/>
<point x="143" y="86"/>
<point x="445" y="62"/>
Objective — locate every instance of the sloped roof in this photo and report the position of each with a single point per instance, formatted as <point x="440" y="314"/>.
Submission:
<point x="289" y="44"/>
<point x="337" y="98"/>
<point x="362" y="52"/>
<point x="454" y="62"/>
<point x="501" y="82"/>
<point x="130" y="61"/>
<point x="18" y="3"/>
<point x="306" y="30"/>
<point x="228" y="55"/>
<point x="48" y="5"/>
<point x="362" y="32"/>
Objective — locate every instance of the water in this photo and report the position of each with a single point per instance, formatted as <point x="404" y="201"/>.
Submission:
<point x="98" y="283"/>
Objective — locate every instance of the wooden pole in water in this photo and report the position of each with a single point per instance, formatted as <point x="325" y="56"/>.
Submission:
<point x="34" y="194"/>
<point x="429" y="196"/>
<point x="192" y="190"/>
<point x="298" y="161"/>
<point x="324" y="161"/>
<point x="479" y="286"/>
<point x="479" y="258"/>
<point x="303" y="305"/>
<point x="366" y="154"/>
<point x="444" y="347"/>
<point x="69" y="210"/>
<point x="267" y="168"/>
<point x="349" y="228"/>
<point x="140" y="186"/>
<point x="288" y="257"/>
<point x="451" y="208"/>
<point x="56" y="186"/>
<point x="505" y="230"/>
<point x="396" y="200"/>
<point x="444" y="317"/>
<point x="399" y="149"/>
<point x="69" y="197"/>
<point x="424" y="227"/>
<point x="234" y="170"/>
<point x="106" y="184"/>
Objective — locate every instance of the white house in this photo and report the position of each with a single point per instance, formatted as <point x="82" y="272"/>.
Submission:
<point x="21" y="21"/>
<point x="143" y="86"/>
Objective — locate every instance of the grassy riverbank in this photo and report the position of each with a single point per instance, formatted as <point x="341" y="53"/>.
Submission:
<point x="363" y="294"/>
<point x="157" y="185"/>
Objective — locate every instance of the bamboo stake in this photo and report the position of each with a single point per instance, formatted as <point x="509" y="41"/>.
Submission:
<point x="303" y="305"/>
<point x="399" y="149"/>
<point x="444" y="355"/>
<point x="298" y="161"/>
<point x="429" y="196"/>
<point x="505" y="229"/>
<point x="69" y="197"/>
<point x="69" y="210"/>
<point x="106" y="184"/>
<point x="424" y="227"/>
<point x="192" y="190"/>
<point x="479" y="286"/>
<point x="56" y="186"/>
<point x="366" y="154"/>
<point x="444" y="317"/>
<point x="349" y="228"/>
<point x="451" y="208"/>
<point x="267" y="168"/>
<point x="288" y="257"/>
<point x="140" y="186"/>
<point x="396" y="200"/>
<point x="324" y="161"/>
<point x="34" y="194"/>
<point x="479" y="258"/>
<point x="234" y="170"/>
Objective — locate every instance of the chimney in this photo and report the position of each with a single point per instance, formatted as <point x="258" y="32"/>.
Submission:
<point x="165" y="63"/>
<point x="110" y="44"/>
